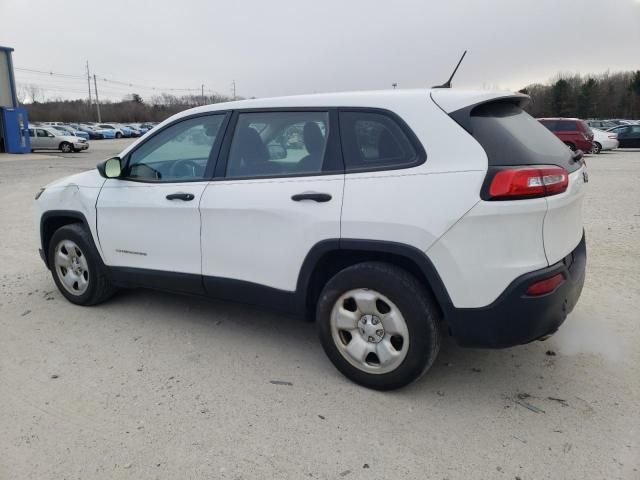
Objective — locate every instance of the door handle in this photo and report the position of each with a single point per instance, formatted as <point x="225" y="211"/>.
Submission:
<point x="316" y="197"/>
<point x="187" y="197"/>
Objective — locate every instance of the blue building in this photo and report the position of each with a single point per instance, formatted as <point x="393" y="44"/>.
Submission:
<point x="14" y="126"/>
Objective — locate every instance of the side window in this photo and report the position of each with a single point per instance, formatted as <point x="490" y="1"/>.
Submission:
<point x="31" y="133"/>
<point x="567" y="126"/>
<point x="278" y="143"/>
<point x="374" y="140"/>
<point x="178" y="153"/>
<point x="41" y="133"/>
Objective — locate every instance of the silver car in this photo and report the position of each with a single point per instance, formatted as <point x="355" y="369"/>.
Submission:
<point x="49" y="138"/>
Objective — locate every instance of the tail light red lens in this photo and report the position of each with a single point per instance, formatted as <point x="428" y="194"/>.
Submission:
<point x="528" y="182"/>
<point x="545" y="286"/>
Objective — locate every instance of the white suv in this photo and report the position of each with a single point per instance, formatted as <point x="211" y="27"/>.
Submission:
<point x="391" y="218"/>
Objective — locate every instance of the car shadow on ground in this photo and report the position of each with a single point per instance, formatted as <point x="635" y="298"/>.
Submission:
<point x="457" y="371"/>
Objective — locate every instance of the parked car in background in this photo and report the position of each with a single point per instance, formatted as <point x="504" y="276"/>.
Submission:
<point x="105" y="132"/>
<point x="628" y="135"/>
<point x="603" y="140"/>
<point x="48" y="138"/>
<point x="126" y="130"/>
<point x="601" y="124"/>
<point x="134" y="132"/>
<point x="117" y="131"/>
<point x="621" y="121"/>
<point x="141" y="128"/>
<point x="575" y="133"/>
<point x="92" y="132"/>
<point x="69" y="130"/>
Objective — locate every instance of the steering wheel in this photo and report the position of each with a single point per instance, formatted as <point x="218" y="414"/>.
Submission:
<point x="185" y="168"/>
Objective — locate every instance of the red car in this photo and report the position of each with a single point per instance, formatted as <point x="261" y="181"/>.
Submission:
<point x="575" y="133"/>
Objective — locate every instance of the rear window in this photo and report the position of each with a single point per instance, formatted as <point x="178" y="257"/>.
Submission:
<point x="585" y="127"/>
<point x="560" y="125"/>
<point x="510" y="136"/>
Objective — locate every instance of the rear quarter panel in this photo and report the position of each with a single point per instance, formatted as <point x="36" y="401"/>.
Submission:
<point x="415" y="206"/>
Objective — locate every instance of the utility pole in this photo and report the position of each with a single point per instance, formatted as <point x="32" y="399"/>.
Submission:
<point x="89" y="83"/>
<point x="202" y="94"/>
<point x="234" y="89"/>
<point x="95" y="84"/>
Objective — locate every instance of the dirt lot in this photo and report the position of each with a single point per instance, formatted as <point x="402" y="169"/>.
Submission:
<point x="152" y="385"/>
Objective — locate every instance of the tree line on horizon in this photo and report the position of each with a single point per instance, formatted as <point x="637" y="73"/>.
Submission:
<point x="606" y="95"/>
<point x="132" y="108"/>
<point x="603" y="96"/>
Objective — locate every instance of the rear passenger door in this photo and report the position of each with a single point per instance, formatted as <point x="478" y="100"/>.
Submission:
<point x="277" y="193"/>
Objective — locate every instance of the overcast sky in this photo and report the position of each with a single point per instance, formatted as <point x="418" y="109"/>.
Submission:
<point x="282" y="47"/>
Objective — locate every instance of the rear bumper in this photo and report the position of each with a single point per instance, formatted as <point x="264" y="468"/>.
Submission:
<point x="516" y="318"/>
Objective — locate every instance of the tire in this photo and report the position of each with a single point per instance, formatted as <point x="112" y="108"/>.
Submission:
<point x="66" y="147"/>
<point x="118" y="135"/>
<point x="96" y="287"/>
<point x="596" y="148"/>
<point x="351" y="299"/>
<point x="571" y="146"/>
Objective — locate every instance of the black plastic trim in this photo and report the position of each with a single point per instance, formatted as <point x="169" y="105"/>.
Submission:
<point x="156" y="279"/>
<point x="516" y="318"/>
<point x="46" y="216"/>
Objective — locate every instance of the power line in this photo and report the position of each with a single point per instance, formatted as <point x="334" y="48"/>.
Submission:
<point x="42" y="72"/>
<point x="102" y="78"/>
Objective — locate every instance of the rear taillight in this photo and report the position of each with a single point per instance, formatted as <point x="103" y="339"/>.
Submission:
<point x="547" y="285"/>
<point x="528" y="182"/>
<point x="614" y="136"/>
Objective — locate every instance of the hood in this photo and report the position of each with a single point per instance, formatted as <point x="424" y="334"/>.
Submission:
<point x="69" y="138"/>
<point x="90" y="179"/>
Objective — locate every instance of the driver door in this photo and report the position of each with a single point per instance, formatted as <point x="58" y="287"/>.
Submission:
<point x="148" y="219"/>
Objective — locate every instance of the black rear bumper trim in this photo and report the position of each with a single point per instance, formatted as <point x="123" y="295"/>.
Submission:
<point x="516" y="318"/>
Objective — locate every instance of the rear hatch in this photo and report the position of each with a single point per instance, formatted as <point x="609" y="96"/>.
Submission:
<point x="513" y="139"/>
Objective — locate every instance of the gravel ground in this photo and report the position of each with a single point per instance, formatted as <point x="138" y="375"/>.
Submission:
<point x="153" y="385"/>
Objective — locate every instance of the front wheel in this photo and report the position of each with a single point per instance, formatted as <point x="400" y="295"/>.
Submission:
<point x="596" y="148"/>
<point x="76" y="266"/>
<point x="571" y="146"/>
<point x="378" y="325"/>
<point x="118" y="135"/>
<point x="66" y="147"/>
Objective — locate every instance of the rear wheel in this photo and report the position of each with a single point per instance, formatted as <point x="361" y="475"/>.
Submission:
<point x="378" y="325"/>
<point x="76" y="266"/>
<point x="66" y="147"/>
<point x="571" y="146"/>
<point x="596" y="148"/>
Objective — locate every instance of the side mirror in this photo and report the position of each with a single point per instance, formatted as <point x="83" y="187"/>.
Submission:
<point x="111" y="168"/>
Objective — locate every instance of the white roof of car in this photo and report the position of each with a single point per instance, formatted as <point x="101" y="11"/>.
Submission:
<point x="448" y="99"/>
